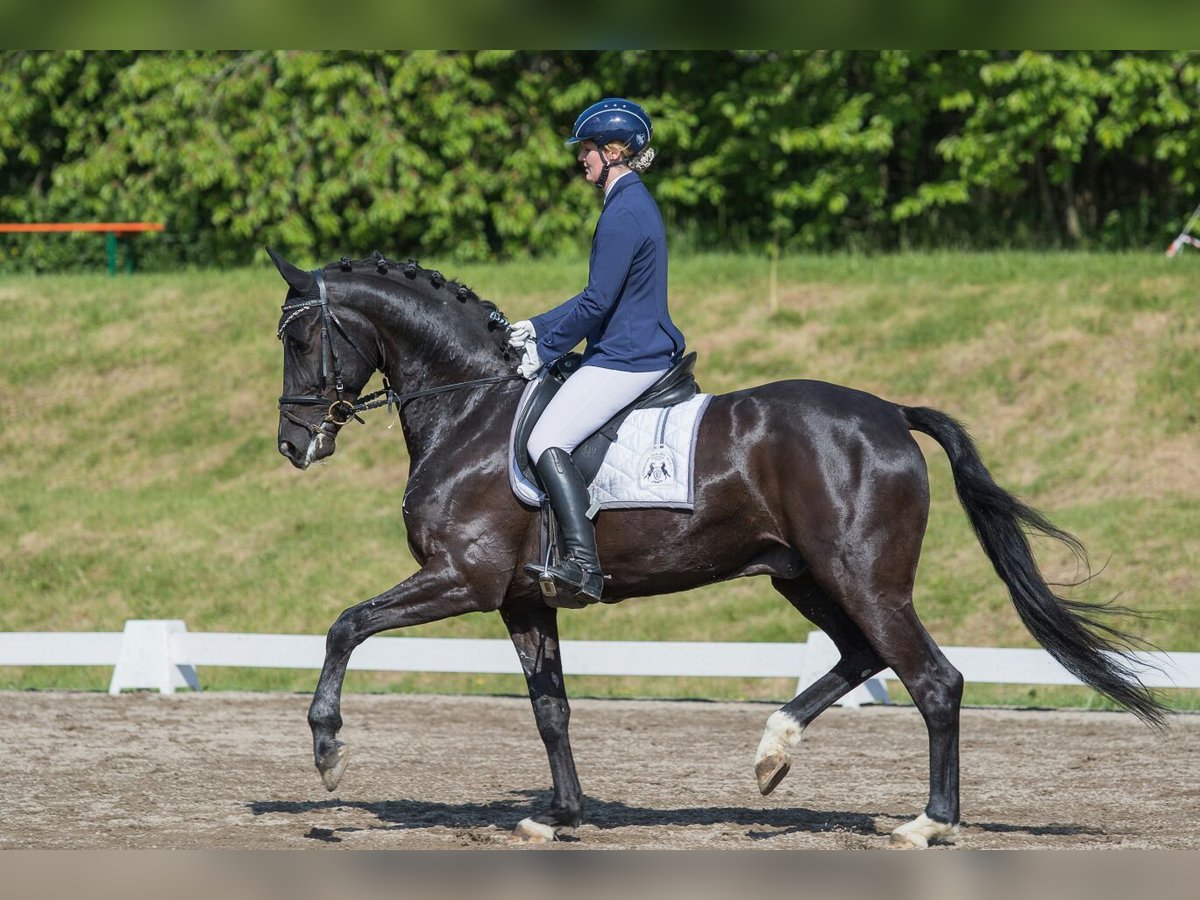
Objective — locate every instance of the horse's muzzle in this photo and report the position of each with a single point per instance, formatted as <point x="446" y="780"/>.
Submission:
<point x="304" y="454"/>
<point x="294" y="455"/>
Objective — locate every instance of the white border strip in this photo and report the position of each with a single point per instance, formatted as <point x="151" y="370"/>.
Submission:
<point x="186" y="650"/>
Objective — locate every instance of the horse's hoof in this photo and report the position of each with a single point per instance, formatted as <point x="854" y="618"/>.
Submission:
<point x="531" y="832"/>
<point x="900" y="841"/>
<point x="770" y="770"/>
<point x="774" y="758"/>
<point x="332" y="765"/>
<point x="921" y="832"/>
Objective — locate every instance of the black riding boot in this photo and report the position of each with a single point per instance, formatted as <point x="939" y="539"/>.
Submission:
<point x="578" y="574"/>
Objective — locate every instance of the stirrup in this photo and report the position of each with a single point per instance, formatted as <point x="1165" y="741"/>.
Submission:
<point x="568" y="584"/>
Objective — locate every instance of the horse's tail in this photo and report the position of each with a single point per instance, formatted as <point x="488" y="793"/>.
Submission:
<point x="1095" y="653"/>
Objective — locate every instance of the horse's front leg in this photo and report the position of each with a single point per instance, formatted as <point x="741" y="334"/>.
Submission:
<point x="435" y="592"/>
<point x="534" y="633"/>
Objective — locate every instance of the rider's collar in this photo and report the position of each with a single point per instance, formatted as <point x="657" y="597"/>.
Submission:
<point x="613" y="183"/>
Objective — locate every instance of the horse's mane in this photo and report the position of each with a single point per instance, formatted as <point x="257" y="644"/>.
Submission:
<point x="392" y="270"/>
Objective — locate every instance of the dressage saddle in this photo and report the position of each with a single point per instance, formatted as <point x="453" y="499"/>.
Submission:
<point x="677" y="385"/>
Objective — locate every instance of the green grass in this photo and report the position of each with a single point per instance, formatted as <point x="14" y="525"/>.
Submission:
<point x="139" y="475"/>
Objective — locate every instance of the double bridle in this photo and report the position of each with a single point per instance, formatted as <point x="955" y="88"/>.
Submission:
<point x="341" y="410"/>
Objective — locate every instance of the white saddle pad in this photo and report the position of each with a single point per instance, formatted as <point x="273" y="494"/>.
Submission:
<point x="651" y="463"/>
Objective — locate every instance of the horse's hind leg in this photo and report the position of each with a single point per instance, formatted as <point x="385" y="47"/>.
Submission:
<point x="534" y="633"/>
<point x="890" y="625"/>
<point x="936" y="688"/>
<point x="858" y="663"/>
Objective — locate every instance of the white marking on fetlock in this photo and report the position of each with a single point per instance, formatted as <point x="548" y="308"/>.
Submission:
<point x="774" y="757"/>
<point x="531" y="832"/>
<point x="781" y="735"/>
<point x="922" y="831"/>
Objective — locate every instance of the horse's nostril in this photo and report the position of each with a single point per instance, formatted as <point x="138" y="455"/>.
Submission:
<point x="287" y="449"/>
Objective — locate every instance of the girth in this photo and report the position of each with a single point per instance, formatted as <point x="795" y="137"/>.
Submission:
<point x="676" y="386"/>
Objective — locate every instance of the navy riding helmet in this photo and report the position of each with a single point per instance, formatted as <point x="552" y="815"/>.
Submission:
<point x="613" y="119"/>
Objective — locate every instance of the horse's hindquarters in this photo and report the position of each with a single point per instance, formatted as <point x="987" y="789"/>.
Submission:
<point x="787" y="476"/>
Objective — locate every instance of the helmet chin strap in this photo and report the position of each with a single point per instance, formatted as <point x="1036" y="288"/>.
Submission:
<point x="603" y="179"/>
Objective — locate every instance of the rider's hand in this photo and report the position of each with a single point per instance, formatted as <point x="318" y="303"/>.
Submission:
<point x="530" y="362"/>
<point x="520" y="333"/>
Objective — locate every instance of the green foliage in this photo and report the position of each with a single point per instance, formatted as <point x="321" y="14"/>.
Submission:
<point x="301" y="150"/>
<point x="458" y="154"/>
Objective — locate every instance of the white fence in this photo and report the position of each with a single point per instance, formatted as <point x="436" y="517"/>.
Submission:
<point x="163" y="655"/>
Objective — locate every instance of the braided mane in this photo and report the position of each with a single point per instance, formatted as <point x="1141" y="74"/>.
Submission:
<point x="399" y="272"/>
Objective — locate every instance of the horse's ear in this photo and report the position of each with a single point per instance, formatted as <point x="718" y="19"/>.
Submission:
<point x="295" y="277"/>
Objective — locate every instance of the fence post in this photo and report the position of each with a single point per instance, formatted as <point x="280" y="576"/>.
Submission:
<point x="820" y="655"/>
<point x="145" y="659"/>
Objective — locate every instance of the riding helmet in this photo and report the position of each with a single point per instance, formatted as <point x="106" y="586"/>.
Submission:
<point x="613" y="119"/>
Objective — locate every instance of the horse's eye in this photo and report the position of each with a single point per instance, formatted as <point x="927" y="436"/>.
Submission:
<point x="297" y="335"/>
<point x="297" y="345"/>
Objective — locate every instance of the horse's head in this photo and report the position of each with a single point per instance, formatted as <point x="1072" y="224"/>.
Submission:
<point x="325" y="365"/>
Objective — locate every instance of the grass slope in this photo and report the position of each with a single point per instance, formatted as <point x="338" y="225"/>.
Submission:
<point x="140" y="479"/>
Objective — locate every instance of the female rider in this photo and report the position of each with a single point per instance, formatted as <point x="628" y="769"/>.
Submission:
<point x="631" y="340"/>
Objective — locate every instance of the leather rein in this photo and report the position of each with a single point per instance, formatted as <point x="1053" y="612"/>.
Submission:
<point x="341" y="410"/>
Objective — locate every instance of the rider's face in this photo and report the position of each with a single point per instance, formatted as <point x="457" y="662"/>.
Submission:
<point x="589" y="158"/>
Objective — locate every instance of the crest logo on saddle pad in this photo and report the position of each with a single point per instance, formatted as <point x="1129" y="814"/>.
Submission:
<point x="657" y="466"/>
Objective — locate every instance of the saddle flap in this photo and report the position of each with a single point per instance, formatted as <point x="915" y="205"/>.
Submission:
<point x="556" y="374"/>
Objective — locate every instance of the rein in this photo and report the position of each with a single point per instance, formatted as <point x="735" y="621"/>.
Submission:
<point x="341" y="410"/>
<point x="389" y="398"/>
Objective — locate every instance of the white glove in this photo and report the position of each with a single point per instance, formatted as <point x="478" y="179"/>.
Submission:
<point x="530" y="362"/>
<point x="520" y="333"/>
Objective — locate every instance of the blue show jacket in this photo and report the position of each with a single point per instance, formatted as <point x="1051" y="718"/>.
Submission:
<point x="623" y="310"/>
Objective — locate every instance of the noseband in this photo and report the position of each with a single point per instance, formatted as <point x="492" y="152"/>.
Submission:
<point x="341" y="410"/>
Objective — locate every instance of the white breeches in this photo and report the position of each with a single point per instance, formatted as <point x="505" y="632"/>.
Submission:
<point x="587" y="400"/>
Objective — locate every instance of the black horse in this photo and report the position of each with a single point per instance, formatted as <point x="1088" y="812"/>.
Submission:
<point x="820" y="487"/>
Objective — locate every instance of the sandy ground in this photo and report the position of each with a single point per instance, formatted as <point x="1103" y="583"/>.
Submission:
<point x="431" y="772"/>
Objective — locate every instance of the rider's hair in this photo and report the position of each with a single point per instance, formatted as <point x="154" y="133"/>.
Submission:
<point x="639" y="163"/>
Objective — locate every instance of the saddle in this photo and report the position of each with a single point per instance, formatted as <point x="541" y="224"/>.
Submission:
<point x="677" y="385"/>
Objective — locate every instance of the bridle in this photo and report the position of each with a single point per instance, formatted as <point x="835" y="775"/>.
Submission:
<point x="341" y="410"/>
